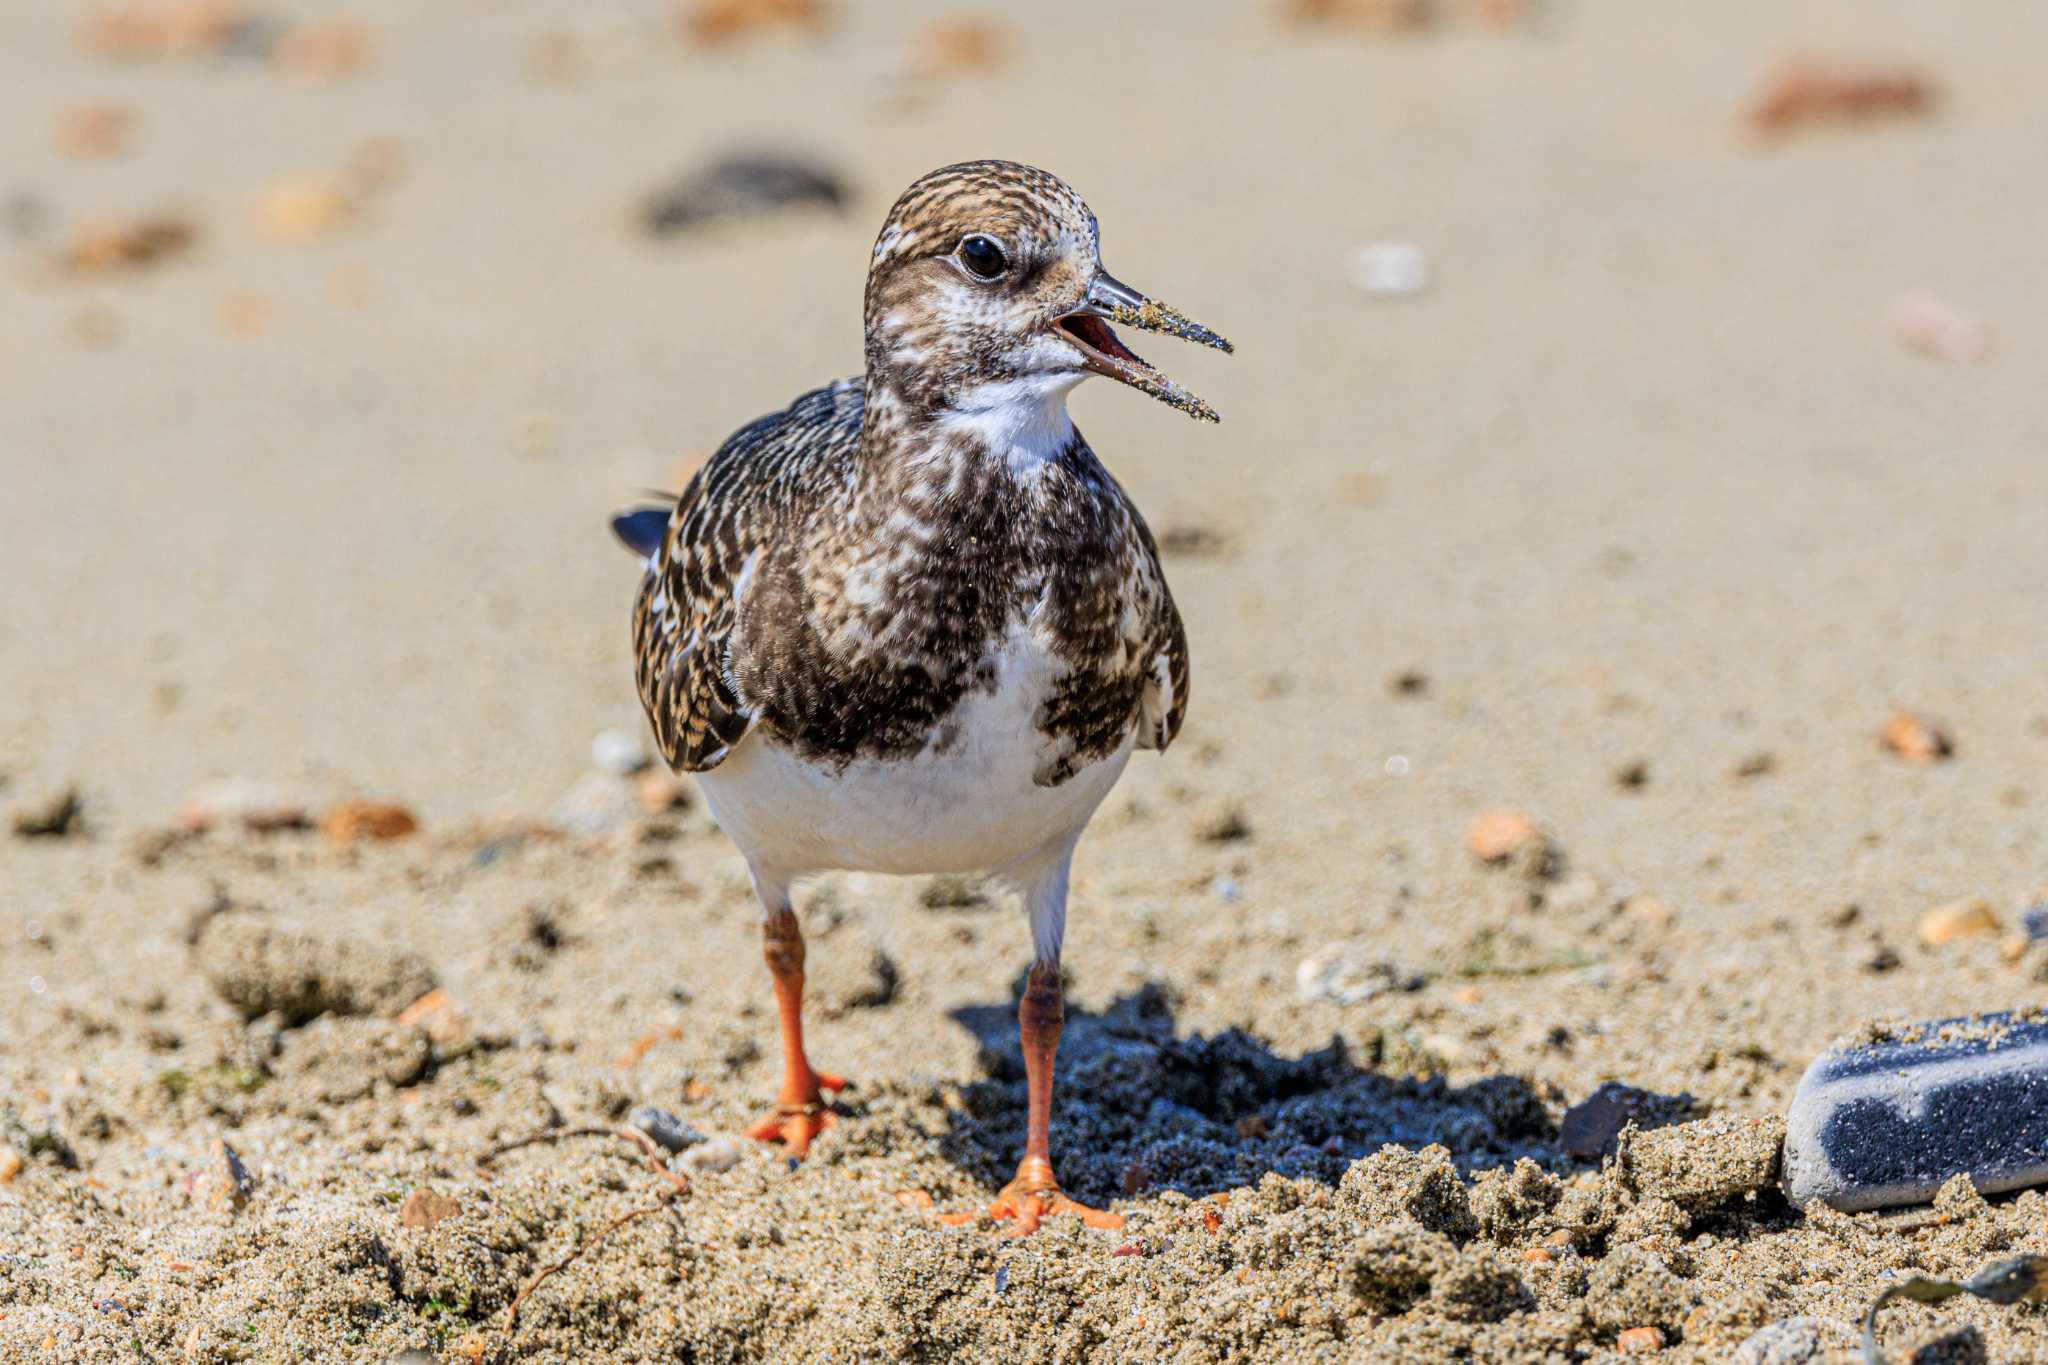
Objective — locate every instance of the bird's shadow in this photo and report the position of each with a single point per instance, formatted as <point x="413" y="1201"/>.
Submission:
<point x="1138" y="1106"/>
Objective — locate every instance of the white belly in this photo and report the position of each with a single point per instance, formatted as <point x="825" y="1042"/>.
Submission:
<point x="967" y="806"/>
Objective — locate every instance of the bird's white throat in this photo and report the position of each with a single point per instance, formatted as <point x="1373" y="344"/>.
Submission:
<point x="1022" y="421"/>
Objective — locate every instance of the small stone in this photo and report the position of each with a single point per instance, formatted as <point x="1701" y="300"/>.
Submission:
<point x="107" y="246"/>
<point x="252" y="803"/>
<point x="10" y="1165"/>
<point x="665" y="1128"/>
<point x="660" y="791"/>
<point x="1411" y="682"/>
<point x="962" y="46"/>
<point x="1590" y="1127"/>
<point x="2013" y="948"/>
<point x="301" y="210"/>
<point x="618" y="752"/>
<point x="2035" y="922"/>
<point x="1791" y="1341"/>
<point x="424" y="1210"/>
<point x="1648" y="911"/>
<point x="716" y="22"/>
<point x="1496" y="835"/>
<point x="1805" y="93"/>
<point x="1925" y="322"/>
<point x="1915" y="740"/>
<point x="1965" y="918"/>
<point x="95" y="130"/>
<point x="323" y="51"/>
<point x="437" y="1015"/>
<point x="1389" y="269"/>
<point x="1762" y="763"/>
<point x="1880" y="956"/>
<point x="1890" y="1119"/>
<point x="50" y="815"/>
<point x="1639" y="1341"/>
<point x="738" y="188"/>
<point x="223" y="1184"/>
<point x="1230" y="827"/>
<point x="706" y="1158"/>
<point x="353" y="821"/>
<point x="1350" y="974"/>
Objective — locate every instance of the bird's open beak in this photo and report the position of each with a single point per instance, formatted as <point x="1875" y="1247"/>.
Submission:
<point x="1110" y="300"/>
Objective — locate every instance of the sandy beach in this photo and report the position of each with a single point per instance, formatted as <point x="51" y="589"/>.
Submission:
<point x="1701" y="454"/>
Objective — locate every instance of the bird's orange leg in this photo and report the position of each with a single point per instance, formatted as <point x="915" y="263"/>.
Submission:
<point x="800" y="1112"/>
<point x="1034" y="1194"/>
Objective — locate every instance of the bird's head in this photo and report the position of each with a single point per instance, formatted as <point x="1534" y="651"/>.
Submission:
<point x="987" y="290"/>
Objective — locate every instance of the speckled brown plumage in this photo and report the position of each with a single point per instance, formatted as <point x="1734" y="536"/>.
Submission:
<point x="841" y="574"/>
<point x="795" y="504"/>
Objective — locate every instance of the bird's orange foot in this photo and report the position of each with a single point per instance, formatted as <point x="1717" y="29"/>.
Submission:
<point x="794" y="1123"/>
<point x="1034" y="1196"/>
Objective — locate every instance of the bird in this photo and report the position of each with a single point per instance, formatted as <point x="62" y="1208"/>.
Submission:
<point x="911" y="624"/>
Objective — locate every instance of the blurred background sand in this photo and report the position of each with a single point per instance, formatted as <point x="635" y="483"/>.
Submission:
<point x="1643" y="477"/>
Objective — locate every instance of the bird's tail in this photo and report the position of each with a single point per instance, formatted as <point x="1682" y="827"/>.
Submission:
<point x="641" y="529"/>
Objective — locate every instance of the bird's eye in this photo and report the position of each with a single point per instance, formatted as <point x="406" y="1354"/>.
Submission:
<point x="982" y="257"/>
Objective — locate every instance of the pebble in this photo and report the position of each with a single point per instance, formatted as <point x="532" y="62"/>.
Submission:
<point x="424" y="1210"/>
<point x="706" y="1158"/>
<point x="618" y="752"/>
<point x="224" y="1183"/>
<point x="741" y="187"/>
<point x="1589" y="1128"/>
<point x="108" y="245"/>
<point x="95" y="130"/>
<point x="722" y="21"/>
<point x="252" y="803"/>
<point x="352" y="821"/>
<point x="1389" y="268"/>
<point x="10" y="1165"/>
<point x="51" y="815"/>
<point x="1496" y="835"/>
<point x="1639" y="1341"/>
<point x="437" y="1015"/>
<point x="1929" y="324"/>
<point x="2035" y="922"/>
<point x="665" y="1128"/>
<point x="1965" y="918"/>
<point x="660" y="791"/>
<point x="1915" y="740"/>
<point x="1804" y="93"/>
<point x="301" y="210"/>
<point x="1789" y="1341"/>
<point x="1351" y="974"/>
<point x="1875" y="1124"/>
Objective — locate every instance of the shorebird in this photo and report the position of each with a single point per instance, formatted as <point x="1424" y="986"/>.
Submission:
<point x="911" y="624"/>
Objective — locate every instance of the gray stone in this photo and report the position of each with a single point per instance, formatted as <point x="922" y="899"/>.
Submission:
<point x="1791" y="1341"/>
<point x="665" y="1128"/>
<point x="1890" y="1120"/>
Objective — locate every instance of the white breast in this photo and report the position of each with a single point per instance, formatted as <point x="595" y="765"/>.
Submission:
<point x="967" y="803"/>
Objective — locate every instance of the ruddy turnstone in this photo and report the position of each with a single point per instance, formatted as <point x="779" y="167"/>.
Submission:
<point x="911" y="624"/>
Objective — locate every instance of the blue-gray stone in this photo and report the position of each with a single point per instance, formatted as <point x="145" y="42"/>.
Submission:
<point x="1890" y="1121"/>
<point x="665" y="1128"/>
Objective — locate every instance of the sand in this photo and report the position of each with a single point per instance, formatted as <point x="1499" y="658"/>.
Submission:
<point x="1655" y="515"/>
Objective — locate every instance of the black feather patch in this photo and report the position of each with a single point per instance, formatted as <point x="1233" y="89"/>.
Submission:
<point x="642" y="530"/>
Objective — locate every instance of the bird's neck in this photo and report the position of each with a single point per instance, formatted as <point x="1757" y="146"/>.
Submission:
<point x="1019" y="422"/>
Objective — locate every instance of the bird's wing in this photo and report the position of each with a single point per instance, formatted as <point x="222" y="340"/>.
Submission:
<point x="733" y="511"/>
